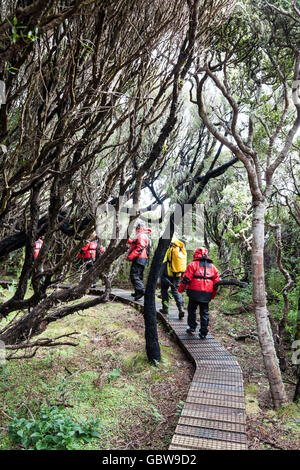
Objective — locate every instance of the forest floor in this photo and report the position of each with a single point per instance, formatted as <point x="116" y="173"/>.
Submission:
<point x="107" y="376"/>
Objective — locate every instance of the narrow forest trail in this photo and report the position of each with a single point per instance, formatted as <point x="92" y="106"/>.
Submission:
<point x="213" y="416"/>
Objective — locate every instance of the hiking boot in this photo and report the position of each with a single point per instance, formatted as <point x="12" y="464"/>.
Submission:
<point x="201" y="336"/>
<point x="180" y="314"/>
<point x="165" y="311"/>
<point x="190" y="330"/>
<point x="139" y="296"/>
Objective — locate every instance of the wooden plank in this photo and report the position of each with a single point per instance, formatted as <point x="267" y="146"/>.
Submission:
<point x="213" y="415"/>
<point x="223" y="410"/>
<point x="218" y="386"/>
<point x="218" y="401"/>
<point x="208" y="444"/>
<point x="213" y="424"/>
<point x="216" y="393"/>
<point x="218" y="380"/>
<point x="209" y="433"/>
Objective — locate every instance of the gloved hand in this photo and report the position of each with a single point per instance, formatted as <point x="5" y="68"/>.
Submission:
<point x="181" y="288"/>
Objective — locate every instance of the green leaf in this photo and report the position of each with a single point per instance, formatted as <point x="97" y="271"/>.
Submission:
<point x="40" y="445"/>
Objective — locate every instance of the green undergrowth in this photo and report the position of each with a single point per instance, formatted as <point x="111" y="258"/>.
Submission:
<point x="107" y="378"/>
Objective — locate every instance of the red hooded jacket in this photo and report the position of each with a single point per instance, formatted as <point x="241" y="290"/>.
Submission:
<point x="138" y="249"/>
<point x="89" y="251"/>
<point x="200" y="277"/>
<point x="37" y="246"/>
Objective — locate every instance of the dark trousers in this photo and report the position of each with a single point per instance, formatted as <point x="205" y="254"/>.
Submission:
<point x="174" y="286"/>
<point x="136" y="277"/>
<point x="204" y="316"/>
<point x="89" y="262"/>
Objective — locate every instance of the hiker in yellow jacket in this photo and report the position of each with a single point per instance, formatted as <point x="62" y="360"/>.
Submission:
<point x="174" y="265"/>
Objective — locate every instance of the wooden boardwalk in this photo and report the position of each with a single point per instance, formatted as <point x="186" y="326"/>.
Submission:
<point x="213" y="416"/>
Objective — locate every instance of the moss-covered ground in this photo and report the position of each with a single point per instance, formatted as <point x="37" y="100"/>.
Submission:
<point x="107" y="376"/>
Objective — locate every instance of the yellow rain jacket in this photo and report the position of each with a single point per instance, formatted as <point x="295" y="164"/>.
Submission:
<point x="176" y="258"/>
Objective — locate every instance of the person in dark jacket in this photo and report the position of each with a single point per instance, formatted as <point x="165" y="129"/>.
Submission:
<point x="199" y="280"/>
<point x="138" y="256"/>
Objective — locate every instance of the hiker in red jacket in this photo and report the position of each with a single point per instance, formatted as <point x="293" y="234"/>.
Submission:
<point x="89" y="252"/>
<point x="138" y="256"/>
<point x="199" y="280"/>
<point x="37" y="246"/>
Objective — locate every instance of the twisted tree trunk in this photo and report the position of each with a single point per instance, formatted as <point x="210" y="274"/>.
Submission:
<point x="151" y="336"/>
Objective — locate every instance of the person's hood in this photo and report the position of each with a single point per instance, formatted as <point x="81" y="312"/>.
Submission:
<point x="177" y="242"/>
<point x="201" y="253"/>
<point x="144" y="230"/>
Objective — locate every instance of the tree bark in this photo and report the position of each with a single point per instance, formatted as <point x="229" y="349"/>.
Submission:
<point x="297" y="337"/>
<point x="151" y="336"/>
<point x="260" y="306"/>
<point x="232" y="282"/>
